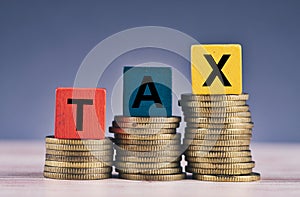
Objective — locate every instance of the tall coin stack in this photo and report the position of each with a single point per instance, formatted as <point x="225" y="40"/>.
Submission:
<point x="147" y="148"/>
<point x="217" y="137"/>
<point x="77" y="159"/>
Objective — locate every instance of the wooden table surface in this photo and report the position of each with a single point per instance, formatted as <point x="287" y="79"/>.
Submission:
<point x="21" y="166"/>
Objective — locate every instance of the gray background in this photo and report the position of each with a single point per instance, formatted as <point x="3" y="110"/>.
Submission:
<point x="42" y="44"/>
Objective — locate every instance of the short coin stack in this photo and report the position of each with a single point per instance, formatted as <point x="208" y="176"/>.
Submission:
<point x="217" y="137"/>
<point x="76" y="159"/>
<point x="147" y="148"/>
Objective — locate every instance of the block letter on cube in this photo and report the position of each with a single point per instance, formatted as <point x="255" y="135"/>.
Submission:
<point x="80" y="113"/>
<point x="147" y="91"/>
<point x="216" y="69"/>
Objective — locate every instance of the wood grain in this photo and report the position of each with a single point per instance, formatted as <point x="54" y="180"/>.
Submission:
<point x="21" y="166"/>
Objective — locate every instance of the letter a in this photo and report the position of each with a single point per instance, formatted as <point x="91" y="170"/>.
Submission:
<point x="147" y="81"/>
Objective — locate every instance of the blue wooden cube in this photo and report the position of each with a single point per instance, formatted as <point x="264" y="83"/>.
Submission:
<point x="147" y="91"/>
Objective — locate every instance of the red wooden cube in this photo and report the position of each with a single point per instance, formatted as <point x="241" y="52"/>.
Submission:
<point x="80" y="113"/>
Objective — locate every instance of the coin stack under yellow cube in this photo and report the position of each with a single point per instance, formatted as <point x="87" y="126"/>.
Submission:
<point x="217" y="137"/>
<point x="148" y="148"/>
<point x="78" y="159"/>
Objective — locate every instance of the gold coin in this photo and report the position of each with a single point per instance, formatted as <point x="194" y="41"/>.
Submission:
<point x="225" y="166"/>
<point x="170" y="177"/>
<point x="218" y="171"/>
<point x="146" y="166"/>
<point x="162" y="153"/>
<point x="152" y="119"/>
<point x="217" y="148"/>
<point x="64" y="164"/>
<point x="147" y="142"/>
<point x="216" y="137"/>
<point x="148" y="137"/>
<point x="141" y="131"/>
<point x="218" y="160"/>
<point x="161" y="171"/>
<point x="188" y="104"/>
<point x="67" y="147"/>
<point x="218" y="120"/>
<point x="78" y="159"/>
<point x="220" y="126"/>
<point x="145" y="125"/>
<point x="80" y="153"/>
<point x="150" y="148"/>
<point x="204" y="131"/>
<point x="229" y="109"/>
<point x="147" y="159"/>
<point x="217" y="115"/>
<point x="64" y="176"/>
<point x="218" y="154"/>
<point x="216" y="142"/>
<point x="54" y="169"/>
<point x="227" y="97"/>
<point x="51" y="140"/>
<point x="228" y="178"/>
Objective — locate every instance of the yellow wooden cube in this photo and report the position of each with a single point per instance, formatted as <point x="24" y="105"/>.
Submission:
<point x="216" y="69"/>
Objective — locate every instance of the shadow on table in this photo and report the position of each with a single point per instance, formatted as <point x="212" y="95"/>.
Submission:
<point x="40" y="175"/>
<point x="22" y="175"/>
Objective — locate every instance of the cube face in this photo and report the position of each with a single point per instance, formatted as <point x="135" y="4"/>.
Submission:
<point x="216" y="69"/>
<point x="80" y="113"/>
<point x="147" y="91"/>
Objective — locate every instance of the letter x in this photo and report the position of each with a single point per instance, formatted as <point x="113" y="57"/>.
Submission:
<point x="217" y="70"/>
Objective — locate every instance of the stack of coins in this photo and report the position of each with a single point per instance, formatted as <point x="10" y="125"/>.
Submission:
<point x="217" y="137"/>
<point x="76" y="159"/>
<point x="147" y="148"/>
